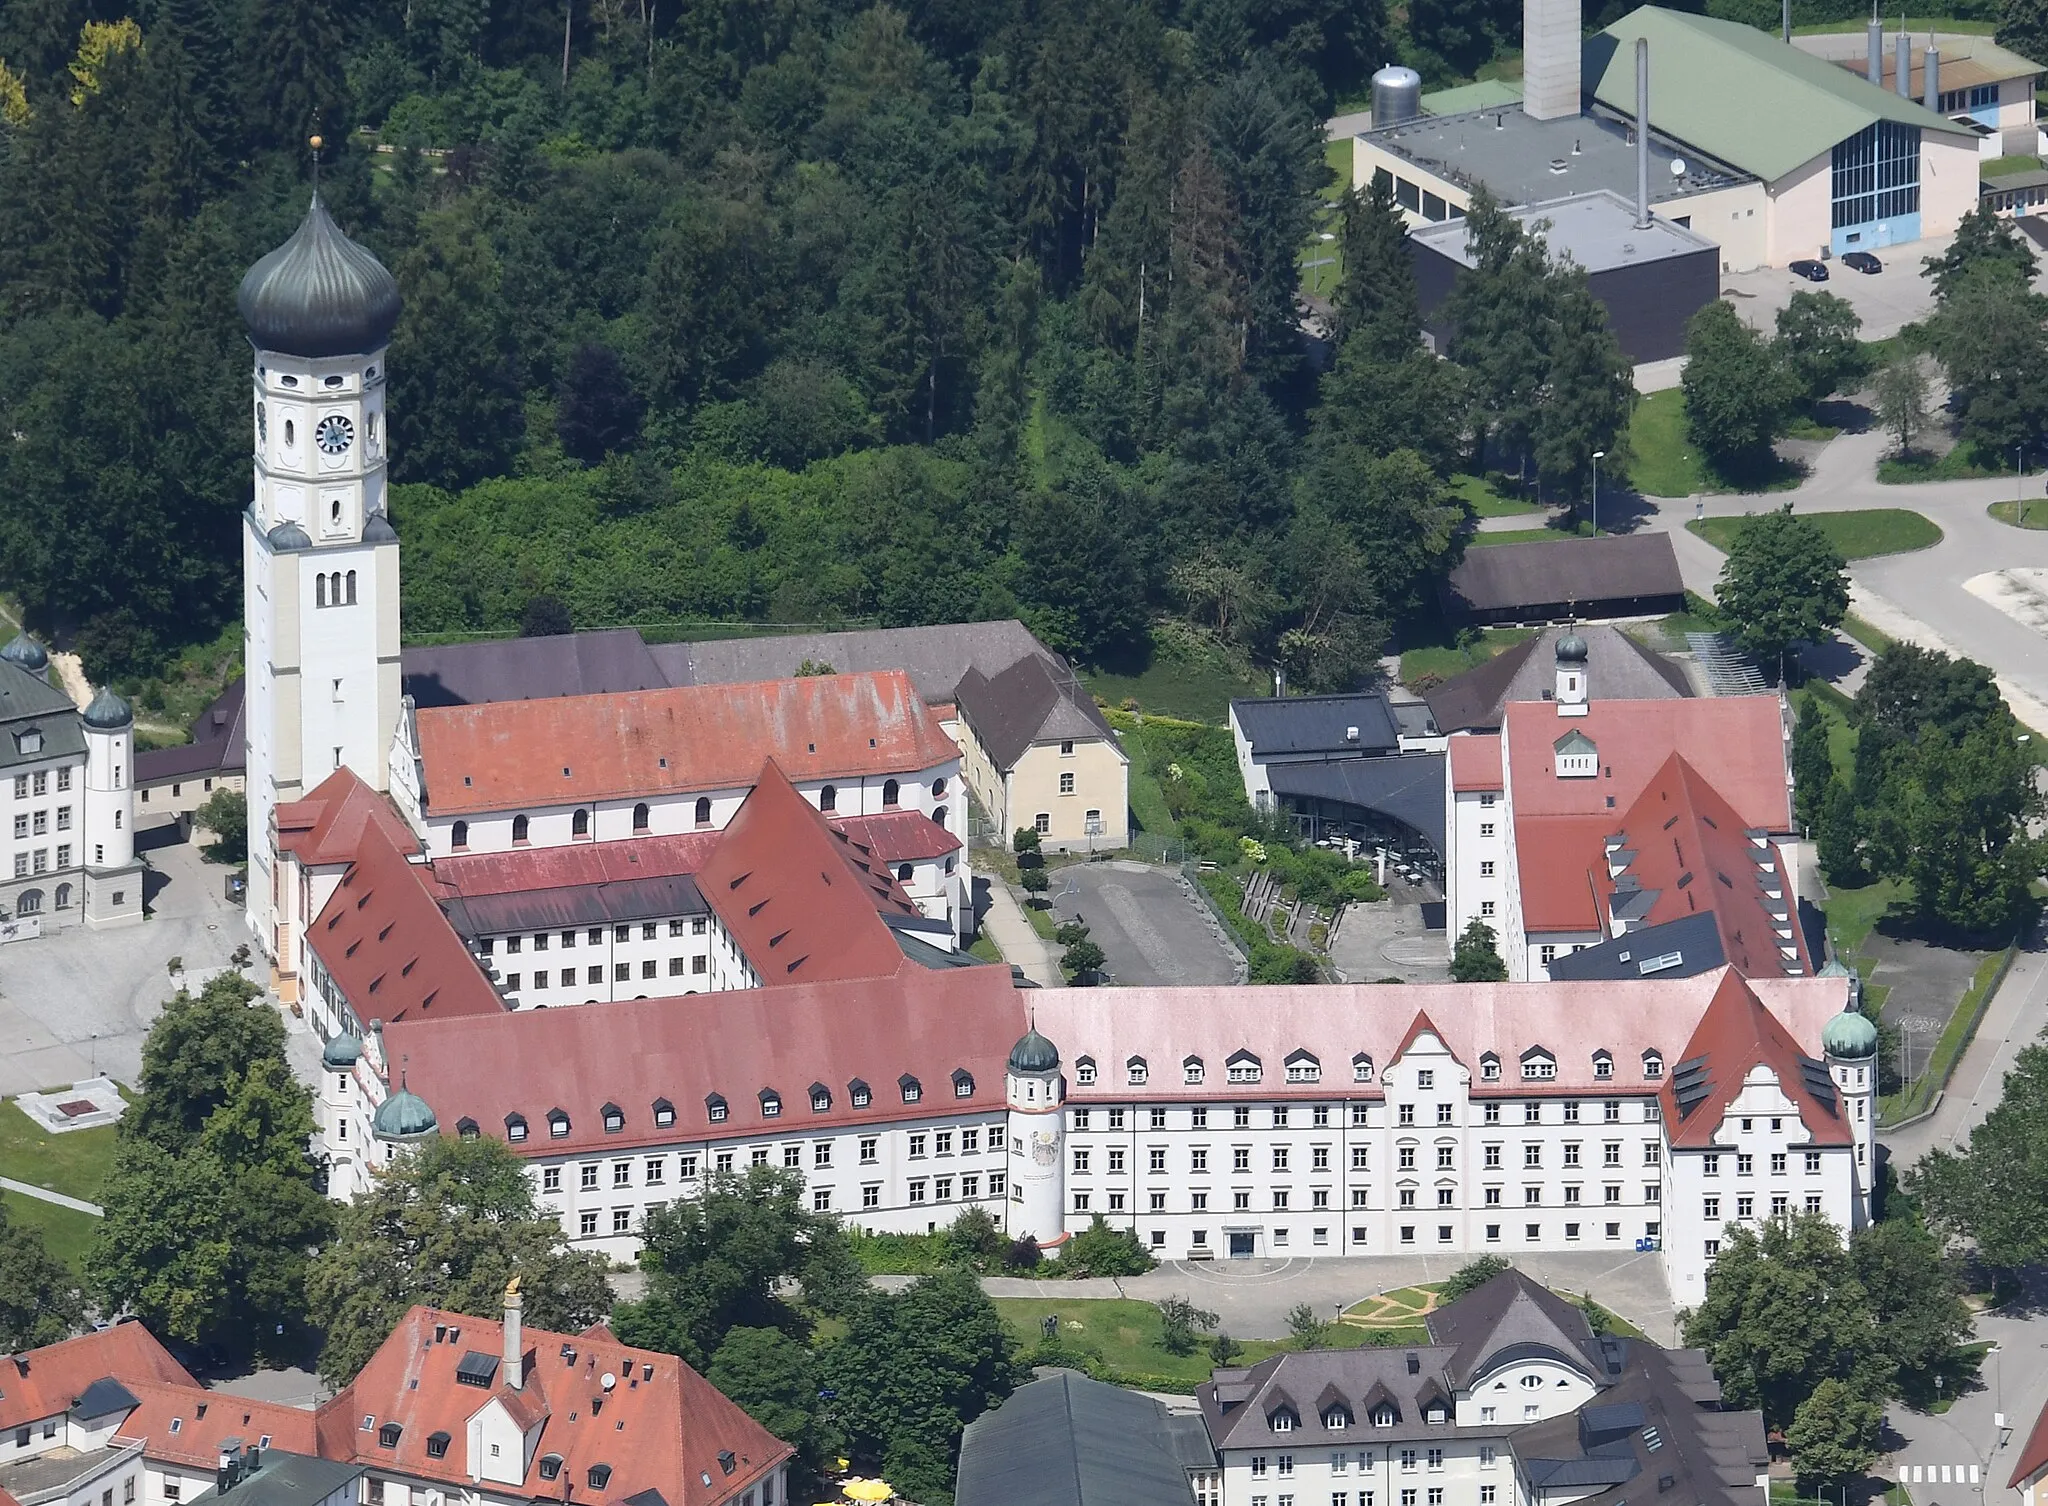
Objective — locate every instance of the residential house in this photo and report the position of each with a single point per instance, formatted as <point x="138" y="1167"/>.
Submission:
<point x="1038" y="753"/>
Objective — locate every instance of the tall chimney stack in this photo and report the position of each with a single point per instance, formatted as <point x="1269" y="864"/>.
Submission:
<point x="1550" y="59"/>
<point x="1642" y="133"/>
<point x="1930" y="81"/>
<point x="515" y="1338"/>
<point x="1875" y="71"/>
<point x="1788" y="20"/>
<point x="1902" y="62"/>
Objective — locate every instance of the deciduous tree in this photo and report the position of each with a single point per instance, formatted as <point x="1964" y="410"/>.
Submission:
<point x="1817" y="342"/>
<point x="1988" y="1191"/>
<point x="1477" y="958"/>
<point x="1903" y="395"/>
<point x="1738" y="393"/>
<point x="1784" y="581"/>
<point x="1834" y="1433"/>
<point x="39" y="1297"/>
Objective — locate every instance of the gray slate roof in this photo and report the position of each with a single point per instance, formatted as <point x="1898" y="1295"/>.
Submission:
<point x="575" y="905"/>
<point x="286" y="1479"/>
<point x="1067" y="1440"/>
<point x="1035" y="700"/>
<point x="1612" y="568"/>
<point x="26" y="702"/>
<point x="530" y="669"/>
<point x="1696" y="939"/>
<point x="319" y="294"/>
<point x="1238" y="1406"/>
<point x="1617" y="668"/>
<point x="218" y="744"/>
<point x="1292" y="725"/>
<point x="1509" y="1313"/>
<point x="935" y="658"/>
<point x="1409" y="787"/>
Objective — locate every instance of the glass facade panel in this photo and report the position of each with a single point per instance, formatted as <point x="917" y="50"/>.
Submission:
<point x="1877" y="175"/>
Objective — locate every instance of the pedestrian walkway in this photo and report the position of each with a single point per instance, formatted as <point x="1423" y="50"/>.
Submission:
<point x="1006" y="925"/>
<point x="44" y="1195"/>
<point x="1940" y="1474"/>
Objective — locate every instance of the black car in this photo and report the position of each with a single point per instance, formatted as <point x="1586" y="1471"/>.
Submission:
<point x="1812" y="271"/>
<point x="1862" y="261"/>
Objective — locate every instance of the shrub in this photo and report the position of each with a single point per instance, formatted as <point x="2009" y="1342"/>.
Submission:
<point x="1099" y="1250"/>
<point x="1471" y="1277"/>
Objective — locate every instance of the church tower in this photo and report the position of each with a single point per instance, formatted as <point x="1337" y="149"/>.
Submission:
<point x="319" y="555"/>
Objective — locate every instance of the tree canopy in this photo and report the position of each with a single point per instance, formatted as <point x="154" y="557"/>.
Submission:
<point x="1784" y="581"/>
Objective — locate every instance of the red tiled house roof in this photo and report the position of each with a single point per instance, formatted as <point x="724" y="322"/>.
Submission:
<point x="507" y="755"/>
<point x="898" y="836"/>
<point x="660" y="1426"/>
<point x="1746" y="735"/>
<point x="327" y="826"/>
<point x="45" y="1382"/>
<point x="205" y="1419"/>
<point x="1475" y="761"/>
<point x="470" y="875"/>
<point x="1734" y="1036"/>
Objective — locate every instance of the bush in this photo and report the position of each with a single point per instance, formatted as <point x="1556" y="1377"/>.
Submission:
<point x="974" y="1239"/>
<point x="1023" y="1254"/>
<point x="1471" y="1277"/>
<point x="1224" y="1350"/>
<point x="1099" y="1250"/>
<point x="1178" y="1321"/>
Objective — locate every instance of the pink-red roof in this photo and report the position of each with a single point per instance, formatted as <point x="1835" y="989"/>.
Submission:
<point x="383" y="939"/>
<point x="660" y="1427"/>
<point x="1475" y="761"/>
<point x="44" y="1382"/>
<point x="2033" y="1457"/>
<point x="899" y="836"/>
<point x="470" y="875"/>
<point x="920" y="1023"/>
<point x="1737" y="1032"/>
<point x="1571" y="1021"/>
<point x="327" y="826"/>
<point x="206" y="1419"/>
<point x="508" y="755"/>
<point x="1744" y="735"/>
<point x="1563" y="867"/>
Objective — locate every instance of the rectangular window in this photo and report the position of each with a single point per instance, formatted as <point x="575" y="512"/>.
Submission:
<point x="551" y="1179"/>
<point x="1876" y="175"/>
<point x="586" y="1224"/>
<point x="871" y="1195"/>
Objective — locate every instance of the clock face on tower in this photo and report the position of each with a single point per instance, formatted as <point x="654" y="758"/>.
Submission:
<point x="334" y="434"/>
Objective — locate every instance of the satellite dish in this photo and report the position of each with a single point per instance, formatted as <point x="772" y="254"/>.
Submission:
<point x="1678" y="167"/>
<point x="607" y="1380"/>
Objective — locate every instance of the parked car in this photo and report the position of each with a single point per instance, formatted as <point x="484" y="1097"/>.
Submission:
<point x="1862" y="261"/>
<point x="1812" y="271"/>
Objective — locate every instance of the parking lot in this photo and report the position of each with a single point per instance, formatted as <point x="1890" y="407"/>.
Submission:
<point x="1885" y="301"/>
<point x="1152" y="934"/>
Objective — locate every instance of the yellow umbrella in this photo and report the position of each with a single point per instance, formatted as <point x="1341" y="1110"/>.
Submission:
<point x="868" y="1490"/>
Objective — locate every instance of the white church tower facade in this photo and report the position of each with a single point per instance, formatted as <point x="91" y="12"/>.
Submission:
<point x="319" y="554"/>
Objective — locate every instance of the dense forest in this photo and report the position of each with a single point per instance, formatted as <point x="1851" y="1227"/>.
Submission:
<point x="804" y="311"/>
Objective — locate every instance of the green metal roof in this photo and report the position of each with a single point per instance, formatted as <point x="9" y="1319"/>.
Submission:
<point x="1738" y="94"/>
<point x="1487" y="94"/>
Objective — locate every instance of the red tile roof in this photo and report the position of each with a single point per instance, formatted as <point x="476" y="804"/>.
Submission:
<point x="206" y="1419"/>
<point x="328" y="825"/>
<point x="1563" y="867"/>
<point x="1735" y="1034"/>
<point x="922" y="1023"/>
<point x="1745" y="734"/>
<point x="661" y="1426"/>
<point x="2034" y="1456"/>
<point x="506" y="755"/>
<point x="45" y="1382"/>
<point x="798" y="897"/>
<point x="387" y="945"/>
<point x="901" y="837"/>
<point x="470" y="875"/>
<point x="1475" y="761"/>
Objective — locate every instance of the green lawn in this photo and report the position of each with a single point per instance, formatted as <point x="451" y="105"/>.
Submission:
<point x="2032" y="513"/>
<point x="69" y="1234"/>
<point x="2001" y="167"/>
<point x="1519" y="536"/>
<point x="1853" y="912"/>
<point x="1662" y="463"/>
<point x="1443" y="660"/>
<point x="1488" y="501"/>
<point x="1920" y="23"/>
<point x="1960" y="464"/>
<point x="1190" y="692"/>
<point x="1871" y="638"/>
<point x="1841" y="736"/>
<point x="985" y="950"/>
<point x="1126" y="1335"/>
<point x="1859" y="535"/>
<point x="74" y="1163"/>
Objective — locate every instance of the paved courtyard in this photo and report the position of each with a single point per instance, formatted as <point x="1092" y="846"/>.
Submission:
<point x="1153" y="934"/>
<point x="77" y="1003"/>
<point x="1389" y="939"/>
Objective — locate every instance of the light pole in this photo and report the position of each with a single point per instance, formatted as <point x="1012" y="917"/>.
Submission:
<point x="1598" y="456"/>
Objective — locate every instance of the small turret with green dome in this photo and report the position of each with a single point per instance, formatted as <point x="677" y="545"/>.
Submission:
<point x="404" y="1118"/>
<point x="1849" y="1036"/>
<point x="108" y="711"/>
<point x="1034" y="1053"/>
<point x="23" y="650"/>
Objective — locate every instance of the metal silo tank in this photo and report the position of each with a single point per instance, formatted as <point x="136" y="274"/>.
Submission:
<point x="1396" y="96"/>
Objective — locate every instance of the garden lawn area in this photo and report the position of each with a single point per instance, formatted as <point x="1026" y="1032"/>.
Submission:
<point x="1841" y="736"/>
<point x="1859" y="535"/>
<point x="1871" y="638"/>
<point x="1189" y="692"/>
<point x="1125" y="1334"/>
<point x="1959" y="464"/>
<point x="1444" y="660"/>
<point x="74" y="1163"/>
<point x="1488" y="501"/>
<point x="984" y="950"/>
<point x="1661" y="461"/>
<point x="68" y="1233"/>
<point x="2032" y="513"/>
<point x="1853" y="912"/>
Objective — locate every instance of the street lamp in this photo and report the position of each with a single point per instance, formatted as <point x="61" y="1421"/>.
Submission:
<point x="1598" y="456"/>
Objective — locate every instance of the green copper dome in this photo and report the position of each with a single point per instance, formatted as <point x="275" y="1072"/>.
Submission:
<point x="1849" y="1035"/>
<point x="108" y="712"/>
<point x="404" y="1116"/>
<point x="342" y="1052"/>
<point x="319" y="294"/>
<point x="1034" y="1053"/>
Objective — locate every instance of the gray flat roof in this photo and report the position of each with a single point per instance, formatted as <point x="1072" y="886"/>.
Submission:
<point x="1524" y="160"/>
<point x="1597" y="230"/>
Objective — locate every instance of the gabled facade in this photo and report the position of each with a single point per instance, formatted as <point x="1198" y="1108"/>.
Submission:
<point x="1038" y="753"/>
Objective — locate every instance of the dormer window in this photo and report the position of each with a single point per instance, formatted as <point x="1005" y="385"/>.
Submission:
<point x="859" y="1094"/>
<point x="912" y="1089"/>
<point x="714" y="1106"/>
<point x="1191" y="1071"/>
<point x="664" y="1113"/>
<point x="1282" y="1420"/>
<point x="1336" y="1419"/>
<point x="1244" y="1067"/>
<point x="1361" y="1067"/>
<point x="550" y="1466"/>
<point x="1577" y="757"/>
<point x="600" y="1476"/>
<point x="437" y="1445"/>
<point x="1538" y="1065"/>
<point x="771" y="1103"/>
<point x="1303" y="1067"/>
<point x="515" y="1128"/>
<point x="963" y="1083"/>
<point x="1383" y="1416"/>
<point x="1603" y="1065"/>
<point x="1136" y="1071"/>
<point x="466" y="1128"/>
<point x="558" y="1124"/>
<point x="1084" y="1071"/>
<point x="29" y="741"/>
<point x="821" y="1098"/>
<point x="1489" y="1067"/>
<point x="1653" y="1064"/>
<point x="387" y="1435"/>
<point x="1436" y="1413"/>
<point x="614" y="1119"/>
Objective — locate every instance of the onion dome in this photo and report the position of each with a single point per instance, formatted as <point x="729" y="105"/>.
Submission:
<point x="108" y="712"/>
<point x="1034" y="1053"/>
<point x="25" y="651"/>
<point x="1849" y="1035"/>
<point x="404" y="1117"/>
<point x="377" y="529"/>
<point x="319" y="294"/>
<point x="1571" y="649"/>
<point x="287" y="537"/>
<point x="342" y="1052"/>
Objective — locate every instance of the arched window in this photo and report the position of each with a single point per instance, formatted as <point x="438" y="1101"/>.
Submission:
<point x="519" y="825"/>
<point x="63" y="896"/>
<point x="938" y="789"/>
<point x="458" y="835"/>
<point x="290" y="434"/>
<point x="320" y="590"/>
<point x="334" y="516"/>
<point x="939" y="815"/>
<point x="117" y="814"/>
<point x="640" y="816"/>
<point x="889" y="792"/>
<point x="703" y="810"/>
<point x="30" y="902"/>
<point x="351" y="588"/>
<point x="828" y="798"/>
<point x="579" y="823"/>
<point x="904" y="871"/>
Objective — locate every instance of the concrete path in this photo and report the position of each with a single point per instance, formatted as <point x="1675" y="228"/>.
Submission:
<point x="44" y="1195"/>
<point x="1006" y="926"/>
<point x="1151" y="932"/>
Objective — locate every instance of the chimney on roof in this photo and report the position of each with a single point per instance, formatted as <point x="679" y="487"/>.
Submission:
<point x="1874" y="69"/>
<point x="515" y="1374"/>
<point x="1643" y="132"/>
<point x="1550" y="59"/>
<point x="1930" y="83"/>
<point x="228" y="1468"/>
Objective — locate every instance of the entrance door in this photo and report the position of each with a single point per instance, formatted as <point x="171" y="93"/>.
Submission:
<point x="1241" y="1246"/>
